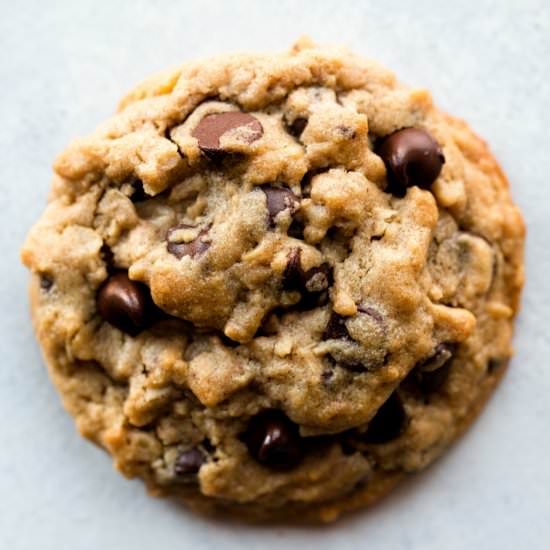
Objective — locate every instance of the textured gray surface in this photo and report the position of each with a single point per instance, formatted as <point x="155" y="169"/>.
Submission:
<point x="62" y="69"/>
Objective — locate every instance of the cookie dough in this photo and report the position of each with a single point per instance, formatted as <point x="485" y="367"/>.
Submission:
<point x="273" y="285"/>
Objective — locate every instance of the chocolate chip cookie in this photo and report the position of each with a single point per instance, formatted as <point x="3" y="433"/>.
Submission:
<point x="273" y="285"/>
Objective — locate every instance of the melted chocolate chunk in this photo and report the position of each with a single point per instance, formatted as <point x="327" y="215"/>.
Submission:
<point x="274" y="440"/>
<point x="124" y="303"/>
<point x="193" y="248"/>
<point x="388" y="423"/>
<point x="189" y="462"/>
<point x="412" y="157"/>
<point x="212" y="127"/>
<point x="279" y="199"/>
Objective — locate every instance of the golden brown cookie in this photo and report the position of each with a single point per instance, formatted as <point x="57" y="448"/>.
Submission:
<point x="276" y="284"/>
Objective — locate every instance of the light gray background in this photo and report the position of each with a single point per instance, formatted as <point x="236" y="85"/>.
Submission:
<point x="63" y="66"/>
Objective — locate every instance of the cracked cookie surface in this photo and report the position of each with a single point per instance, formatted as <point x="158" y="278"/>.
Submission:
<point x="274" y="283"/>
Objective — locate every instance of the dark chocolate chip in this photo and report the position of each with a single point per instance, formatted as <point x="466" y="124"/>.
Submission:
<point x="292" y="276"/>
<point x="388" y="423"/>
<point x="336" y="328"/>
<point x="274" y="440"/>
<point x="312" y="284"/>
<point x="124" y="303"/>
<point x="432" y="373"/>
<point x="315" y="280"/>
<point x="189" y="462"/>
<point x="46" y="282"/>
<point x="193" y="248"/>
<point x="412" y="157"/>
<point x="279" y="199"/>
<point x="297" y="126"/>
<point x="212" y="127"/>
<point x="442" y="353"/>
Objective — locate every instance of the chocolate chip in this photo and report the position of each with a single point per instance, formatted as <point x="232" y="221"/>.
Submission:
<point x="432" y="373"/>
<point x="317" y="279"/>
<point x="314" y="280"/>
<point x="412" y="157"/>
<point x="124" y="303"/>
<point x="193" y="248"/>
<point x="189" y="462"/>
<point x="46" y="282"/>
<point x="292" y="276"/>
<point x="212" y="127"/>
<point x="296" y="127"/>
<point x="388" y="423"/>
<point x="312" y="284"/>
<point x="336" y="328"/>
<point x="274" y="440"/>
<point x="279" y="199"/>
<point x="441" y="354"/>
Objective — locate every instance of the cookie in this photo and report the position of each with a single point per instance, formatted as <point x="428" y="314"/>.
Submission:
<point x="274" y="285"/>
